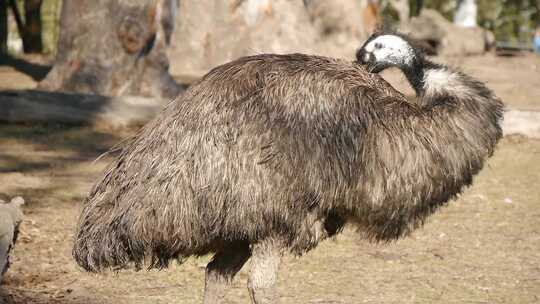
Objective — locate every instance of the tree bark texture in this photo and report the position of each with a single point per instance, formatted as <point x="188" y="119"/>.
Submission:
<point x="32" y="38"/>
<point x="3" y="27"/>
<point x="29" y="28"/>
<point x="113" y="47"/>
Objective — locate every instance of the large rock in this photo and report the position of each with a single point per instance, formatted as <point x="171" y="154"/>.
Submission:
<point x="11" y="216"/>
<point x="445" y="38"/>
<point x="209" y="33"/>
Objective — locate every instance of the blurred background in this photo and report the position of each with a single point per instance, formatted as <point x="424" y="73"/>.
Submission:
<point x="510" y="21"/>
<point x="77" y="77"/>
<point x="184" y="39"/>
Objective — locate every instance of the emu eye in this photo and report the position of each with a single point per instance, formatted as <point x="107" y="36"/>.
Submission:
<point x="378" y="45"/>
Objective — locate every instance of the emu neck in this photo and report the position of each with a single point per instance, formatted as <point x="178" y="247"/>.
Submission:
<point x="438" y="86"/>
<point x="415" y="74"/>
<point x="433" y="82"/>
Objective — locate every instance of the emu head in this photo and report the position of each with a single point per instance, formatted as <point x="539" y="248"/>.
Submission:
<point x="383" y="50"/>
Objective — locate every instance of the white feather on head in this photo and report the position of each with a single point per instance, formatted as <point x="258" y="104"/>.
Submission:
<point x="390" y="48"/>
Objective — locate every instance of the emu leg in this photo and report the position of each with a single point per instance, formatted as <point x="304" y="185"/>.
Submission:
<point x="222" y="269"/>
<point x="265" y="259"/>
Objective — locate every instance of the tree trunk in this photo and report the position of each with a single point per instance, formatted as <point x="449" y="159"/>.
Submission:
<point x="465" y="14"/>
<point x="113" y="47"/>
<point x="29" y="29"/>
<point x="416" y="8"/>
<point x="17" y="16"/>
<point x="32" y="42"/>
<point x="3" y="27"/>
<point x="403" y="9"/>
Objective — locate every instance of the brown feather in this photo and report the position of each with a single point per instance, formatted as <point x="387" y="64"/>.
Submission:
<point x="276" y="145"/>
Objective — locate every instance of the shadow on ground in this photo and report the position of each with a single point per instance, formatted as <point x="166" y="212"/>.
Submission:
<point x="39" y="160"/>
<point x="36" y="71"/>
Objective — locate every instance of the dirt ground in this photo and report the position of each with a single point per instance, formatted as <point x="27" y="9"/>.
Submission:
<point x="482" y="248"/>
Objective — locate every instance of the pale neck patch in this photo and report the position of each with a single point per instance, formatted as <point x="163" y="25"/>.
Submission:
<point x="440" y="80"/>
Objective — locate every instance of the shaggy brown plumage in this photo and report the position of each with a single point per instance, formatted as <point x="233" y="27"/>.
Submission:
<point x="287" y="146"/>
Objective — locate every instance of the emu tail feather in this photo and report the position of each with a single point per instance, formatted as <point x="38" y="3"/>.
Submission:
<point x="105" y="240"/>
<point x="102" y="244"/>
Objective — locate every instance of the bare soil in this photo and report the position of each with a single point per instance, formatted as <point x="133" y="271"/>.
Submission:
<point x="482" y="248"/>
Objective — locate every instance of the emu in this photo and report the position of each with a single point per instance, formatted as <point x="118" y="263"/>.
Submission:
<point x="271" y="154"/>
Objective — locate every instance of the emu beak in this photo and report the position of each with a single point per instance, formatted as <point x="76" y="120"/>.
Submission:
<point x="366" y="58"/>
<point x="362" y="56"/>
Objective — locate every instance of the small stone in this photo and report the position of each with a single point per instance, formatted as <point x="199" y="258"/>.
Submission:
<point x="17" y="200"/>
